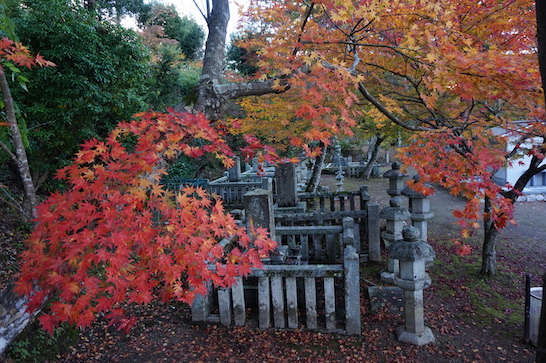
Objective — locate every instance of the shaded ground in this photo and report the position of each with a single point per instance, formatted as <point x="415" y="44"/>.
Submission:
<point x="473" y="319"/>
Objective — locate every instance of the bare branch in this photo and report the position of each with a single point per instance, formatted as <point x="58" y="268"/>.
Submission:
<point x="386" y="112"/>
<point x="201" y="12"/>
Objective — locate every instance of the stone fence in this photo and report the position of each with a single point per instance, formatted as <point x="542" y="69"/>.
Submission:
<point x="296" y="292"/>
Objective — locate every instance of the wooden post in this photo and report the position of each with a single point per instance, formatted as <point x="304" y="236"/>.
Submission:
<point x="526" y="325"/>
<point x="238" y="296"/>
<point x="264" y="303"/>
<point x="330" y="303"/>
<point x="277" y="298"/>
<point x="292" y="302"/>
<point x="311" y="302"/>
<point x="200" y="306"/>
<point x="224" y="306"/>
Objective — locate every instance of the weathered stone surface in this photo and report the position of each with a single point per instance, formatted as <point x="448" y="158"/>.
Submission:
<point x="258" y="206"/>
<point x="412" y="254"/>
<point x="286" y="184"/>
<point x="411" y="248"/>
<point x="234" y="173"/>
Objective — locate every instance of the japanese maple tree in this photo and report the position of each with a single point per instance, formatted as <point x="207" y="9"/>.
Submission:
<point x="12" y="55"/>
<point x="116" y="236"/>
<point x="457" y="74"/>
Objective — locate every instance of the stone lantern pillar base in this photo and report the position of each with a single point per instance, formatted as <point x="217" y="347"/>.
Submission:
<point x="416" y="339"/>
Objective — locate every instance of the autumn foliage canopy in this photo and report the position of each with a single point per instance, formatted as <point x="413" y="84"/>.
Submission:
<point x="454" y="75"/>
<point x="116" y="236"/>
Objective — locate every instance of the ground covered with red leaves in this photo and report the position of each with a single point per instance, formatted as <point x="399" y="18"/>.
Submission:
<point x="474" y="319"/>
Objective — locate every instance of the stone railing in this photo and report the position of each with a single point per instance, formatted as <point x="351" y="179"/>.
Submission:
<point x="331" y="208"/>
<point x="232" y="192"/>
<point x="287" y="291"/>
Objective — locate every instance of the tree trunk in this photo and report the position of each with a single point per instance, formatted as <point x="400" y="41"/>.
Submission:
<point x="373" y="156"/>
<point x="541" y="40"/>
<point x="14" y="317"/>
<point x="489" y="252"/>
<point x="314" y="180"/>
<point x="20" y="156"/>
<point x="213" y="61"/>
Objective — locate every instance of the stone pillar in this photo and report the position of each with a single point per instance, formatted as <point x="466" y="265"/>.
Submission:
<point x="338" y="162"/>
<point x="371" y="231"/>
<point x="394" y="215"/>
<point x="351" y="266"/>
<point x="258" y="205"/>
<point x="419" y="207"/>
<point x="287" y="189"/>
<point x="412" y="254"/>
<point x="234" y="173"/>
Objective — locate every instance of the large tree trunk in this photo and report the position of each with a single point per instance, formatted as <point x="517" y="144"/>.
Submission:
<point x="20" y="156"/>
<point x="373" y="156"/>
<point x="212" y="94"/>
<point x="314" y="180"/>
<point x="213" y="62"/>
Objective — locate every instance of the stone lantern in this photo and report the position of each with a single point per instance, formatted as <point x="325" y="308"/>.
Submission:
<point x="419" y="207"/>
<point x="412" y="254"/>
<point x="396" y="180"/>
<point x="395" y="217"/>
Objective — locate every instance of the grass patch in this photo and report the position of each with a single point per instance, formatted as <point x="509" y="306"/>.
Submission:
<point x="36" y="345"/>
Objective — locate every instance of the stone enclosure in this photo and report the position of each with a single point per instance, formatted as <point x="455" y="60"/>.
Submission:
<point x="312" y="280"/>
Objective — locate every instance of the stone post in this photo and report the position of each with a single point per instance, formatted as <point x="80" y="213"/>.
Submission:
<point x="234" y="173"/>
<point x="258" y="205"/>
<point x="351" y="268"/>
<point x="371" y="231"/>
<point x="287" y="189"/>
<point x="395" y="217"/>
<point x="412" y="254"/>
<point x="419" y="207"/>
<point x="338" y="162"/>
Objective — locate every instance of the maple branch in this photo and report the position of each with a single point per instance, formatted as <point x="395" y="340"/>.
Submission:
<point x="8" y="151"/>
<point x="10" y="200"/>
<point x="302" y="28"/>
<point x="367" y="95"/>
<point x="395" y="48"/>
<point x="236" y="90"/>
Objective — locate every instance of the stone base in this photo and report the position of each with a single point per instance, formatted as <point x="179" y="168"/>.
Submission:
<point x="387" y="276"/>
<point x="301" y="207"/>
<point x="391" y="297"/>
<point x="415" y="339"/>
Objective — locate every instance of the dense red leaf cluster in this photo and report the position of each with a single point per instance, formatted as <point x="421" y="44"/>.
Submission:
<point x="117" y="236"/>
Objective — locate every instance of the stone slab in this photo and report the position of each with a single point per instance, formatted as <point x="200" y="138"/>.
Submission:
<point x="390" y="296"/>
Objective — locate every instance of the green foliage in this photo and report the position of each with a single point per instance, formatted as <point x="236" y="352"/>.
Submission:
<point x="7" y="27"/>
<point x="119" y="8"/>
<point x="186" y="31"/>
<point x="172" y="79"/>
<point x="98" y="81"/>
<point x="36" y="345"/>
<point x="241" y="59"/>
<point x="188" y="79"/>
